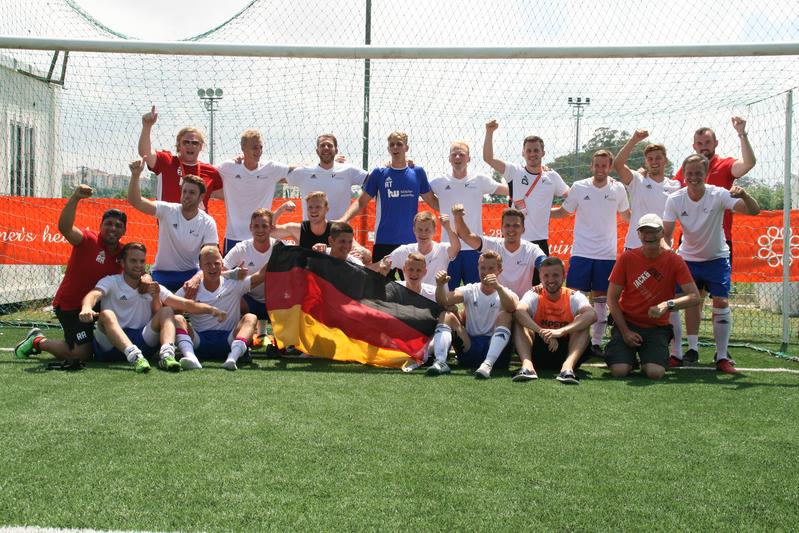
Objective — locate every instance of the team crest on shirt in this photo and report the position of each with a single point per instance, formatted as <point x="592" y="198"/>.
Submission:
<point x="250" y="264"/>
<point x="587" y="197"/>
<point x="175" y="226"/>
<point x="313" y="176"/>
<point x="447" y="188"/>
<point x="238" y="176"/>
<point x="684" y="214"/>
<point x="100" y="257"/>
<point x="648" y="185"/>
<point x="525" y="181"/>
<point x="389" y="182"/>
<point x="123" y="298"/>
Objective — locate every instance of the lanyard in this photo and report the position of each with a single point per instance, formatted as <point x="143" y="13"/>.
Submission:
<point x="534" y="184"/>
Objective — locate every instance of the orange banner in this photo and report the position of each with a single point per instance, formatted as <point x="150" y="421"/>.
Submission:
<point x="29" y="233"/>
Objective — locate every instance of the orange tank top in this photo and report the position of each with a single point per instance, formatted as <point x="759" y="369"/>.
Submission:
<point x="554" y="314"/>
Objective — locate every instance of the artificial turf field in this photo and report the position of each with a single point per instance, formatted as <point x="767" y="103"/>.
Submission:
<point x="314" y="445"/>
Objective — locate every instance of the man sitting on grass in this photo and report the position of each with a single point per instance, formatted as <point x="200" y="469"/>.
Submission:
<point x="131" y="323"/>
<point x="488" y="309"/>
<point x="640" y="298"/>
<point x="213" y="338"/>
<point x="559" y="319"/>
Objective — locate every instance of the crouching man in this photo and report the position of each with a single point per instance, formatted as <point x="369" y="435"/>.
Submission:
<point x="131" y="324"/>
<point x="641" y="296"/>
<point x="559" y="319"/>
<point x="211" y="338"/>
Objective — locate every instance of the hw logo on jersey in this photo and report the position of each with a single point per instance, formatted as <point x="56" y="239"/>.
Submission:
<point x="100" y="257"/>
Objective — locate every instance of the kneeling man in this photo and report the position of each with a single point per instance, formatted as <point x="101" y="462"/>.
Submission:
<point x="559" y="319"/>
<point x="640" y="298"/>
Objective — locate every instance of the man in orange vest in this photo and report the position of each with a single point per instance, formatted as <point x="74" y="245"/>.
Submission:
<point x="559" y="319"/>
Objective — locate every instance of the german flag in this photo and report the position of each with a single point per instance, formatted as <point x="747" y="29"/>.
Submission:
<point x="337" y="310"/>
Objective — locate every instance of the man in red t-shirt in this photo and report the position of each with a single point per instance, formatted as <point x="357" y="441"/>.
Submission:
<point x="640" y="297"/>
<point x="170" y="168"/>
<point x="93" y="257"/>
<point x="723" y="171"/>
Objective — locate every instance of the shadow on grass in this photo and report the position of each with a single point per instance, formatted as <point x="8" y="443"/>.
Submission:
<point x="740" y="381"/>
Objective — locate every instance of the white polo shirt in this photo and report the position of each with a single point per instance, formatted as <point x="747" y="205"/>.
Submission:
<point x="132" y="308"/>
<point x="468" y="191"/>
<point x="537" y="202"/>
<point x="180" y="240"/>
<point x="595" y="232"/>
<point x="701" y="222"/>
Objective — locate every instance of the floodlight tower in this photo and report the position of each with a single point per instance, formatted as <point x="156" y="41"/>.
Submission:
<point x="210" y="97"/>
<point x="577" y="104"/>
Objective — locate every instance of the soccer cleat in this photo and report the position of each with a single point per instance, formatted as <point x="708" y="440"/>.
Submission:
<point x="597" y="351"/>
<point x="674" y="362"/>
<point x="568" y="377"/>
<point x="524" y="374"/>
<point x="438" y="369"/>
<point x="691" y="356"/>
<point x="170" y="364"/>
<point x="484" y="372"/>
<point x="190" y="363"/>
<point x="25" y="347"/>
<point x="142" y="366"/>
<point x="727" y="366"/>
<point x="246" y="359"/>
<point x="230" y="364"/>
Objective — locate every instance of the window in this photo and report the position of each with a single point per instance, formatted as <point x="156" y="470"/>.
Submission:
<point x="22" y="159"/>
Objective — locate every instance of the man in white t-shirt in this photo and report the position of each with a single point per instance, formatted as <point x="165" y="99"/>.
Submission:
<point x="559" y="319"/>
<point x="700" y="209"/>
<point x="488" y="309"/>
<point x="520" y="257"/>
<point x="596" y="200"/>
<point x="437" y="255"/>
<point x="131" y="323"/>
<point x="335" y="179"/>
<point x="182" y="228"/>
<point x="210" y="338"/>
<point x="249" y="184"/>
<point x="340" y="245"/>
<point x="467" y="189"/>
<point x="647" y="195"/>
<point x="532" y="187"/>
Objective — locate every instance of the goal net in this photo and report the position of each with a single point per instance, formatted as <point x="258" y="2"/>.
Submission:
<point x="75" y="117"/>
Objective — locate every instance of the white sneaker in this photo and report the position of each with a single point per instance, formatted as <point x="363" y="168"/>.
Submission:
<point x="484" y="372"/>
<point x="229" y="364"/>
<point x="438" y="368"/>
<point x="190" y="363"/>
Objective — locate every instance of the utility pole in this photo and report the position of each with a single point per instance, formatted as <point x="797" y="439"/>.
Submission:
<point x="210" y="97"/>
<point x="577" y="104"/>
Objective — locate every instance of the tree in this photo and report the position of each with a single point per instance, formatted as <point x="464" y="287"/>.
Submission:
<point x="602" y="139"/>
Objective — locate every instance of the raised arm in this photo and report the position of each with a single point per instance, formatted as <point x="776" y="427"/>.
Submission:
<point x="444" y="297"/>
<point x="356" y="206"/>
<point x="454" y="240"/>
<point x="432" y="200"/>
<point x="145" y="146"/>
<point x="745" y="204"/>
<point x="285" y="207"/>
<point x="747" y="163"/>
<point x="464" y="233"/>
<point x="620" y="163"/>
<point x="488" y="148"/>
<point x="134" y="189"/>
<point x="66" y="221"/>
<point x="289" y="230"/>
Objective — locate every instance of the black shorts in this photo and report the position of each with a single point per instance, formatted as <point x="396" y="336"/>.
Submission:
<point x="75" y="331"/>
<point x="654" y="350"/>
<point x="543" y="359"/>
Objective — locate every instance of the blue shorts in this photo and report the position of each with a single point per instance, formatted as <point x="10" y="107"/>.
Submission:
<point x="589" y="274"/>
<point x="712" y="276"/>
<point x="476" y="354"/>
<point x="172" y="279"/>
<point x="229" y="244"/>
<point x="255" y="307"/>
<point x="212" y="344"/>
<point x="104" y="352"/>
<point x="463" y="269"/>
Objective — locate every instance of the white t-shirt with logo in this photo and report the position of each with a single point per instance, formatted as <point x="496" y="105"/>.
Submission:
<point x="517" y="267"/>
<point x="537" y="204"/>
<point x="481" y="309"/>
<point x="227" y="298"/>
<point x="132" y="308"/>
<point x="701" y="222"/>
<point x="646" y="196"/>
<point x="468" y="191"/>
<point x="595" y="235"/>
<point x="253" y="261"/>
<point x="247" y="190"/>
<point x="437" y="260"/>
<point x="180" y="240"/>
<point x="427" y="290"/>
<point x="336" y="182"/>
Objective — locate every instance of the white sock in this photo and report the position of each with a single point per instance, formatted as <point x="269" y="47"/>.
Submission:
<point x="186" y="345"/>
<point x="598" y="327"/>
<point x="676" y="325"/>
<point x="442" y="340"/>
<point x="167" y="349"/>
<point x="132" y="353"/>
<point x="499" y="340"/>
<point x="693" y="342"/>
<point x="722" y="328"/>
<point x="237" y="349"/>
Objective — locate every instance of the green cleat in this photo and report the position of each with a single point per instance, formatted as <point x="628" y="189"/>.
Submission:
<point x="142" y="366"/>
<point x="25" y="347"/>
<point x="170" y="364"/>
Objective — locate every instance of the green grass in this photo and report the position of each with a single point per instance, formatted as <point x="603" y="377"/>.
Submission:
<point x="315" y="445"/>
